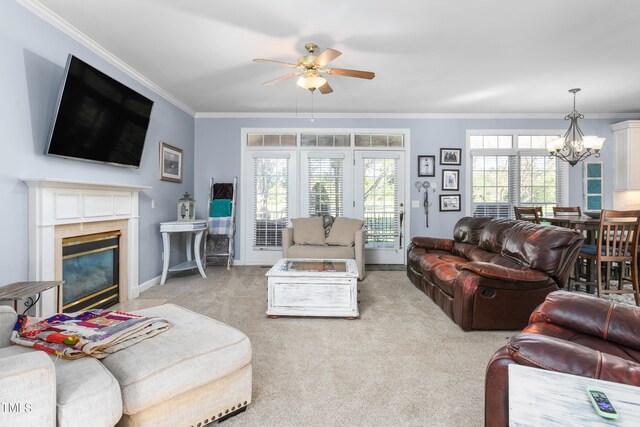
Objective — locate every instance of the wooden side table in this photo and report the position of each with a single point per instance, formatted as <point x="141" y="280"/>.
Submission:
<point x="197" y="227"/>
<point x="21" y="290"/>
<point x="538" y="397"/>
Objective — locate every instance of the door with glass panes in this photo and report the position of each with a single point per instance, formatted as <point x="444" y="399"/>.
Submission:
<point x="379" y="200"/>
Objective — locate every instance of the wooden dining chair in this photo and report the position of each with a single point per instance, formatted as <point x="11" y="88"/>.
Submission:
<point x="617" y="243"/>
<point x="581" y="266"/>
<point x="567" y="211"/>
<point x="531" y="214"/>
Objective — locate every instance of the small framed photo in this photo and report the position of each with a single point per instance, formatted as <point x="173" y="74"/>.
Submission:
<point x="450" y="179"/>
<point x="450" y="156"/>
<point x="426" y="165"/>
<point x="170" y="163"/>
<point x="449" y="202"/>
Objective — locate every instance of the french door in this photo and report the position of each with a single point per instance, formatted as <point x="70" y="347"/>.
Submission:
<point x="297" y="179"/>
<point x="379" y="200"/>
<point x="271" y="202"/>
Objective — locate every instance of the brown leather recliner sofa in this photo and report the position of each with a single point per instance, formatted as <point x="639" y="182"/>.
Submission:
<point x="494" y="272"/>
<point x="570" y="333"/>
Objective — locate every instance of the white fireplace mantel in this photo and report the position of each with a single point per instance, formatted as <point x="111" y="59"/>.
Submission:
<point x="59" y="202"/>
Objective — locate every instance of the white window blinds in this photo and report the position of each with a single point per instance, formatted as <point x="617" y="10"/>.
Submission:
<point x="505" y="175"/>
<point x="493" y="185"/>
<point x="325" y="185"/>
<point x="380" y="201"/>
<point x="271" y="200"/>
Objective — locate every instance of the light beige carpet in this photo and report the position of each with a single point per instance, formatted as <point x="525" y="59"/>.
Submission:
<point x="403" y="362"/>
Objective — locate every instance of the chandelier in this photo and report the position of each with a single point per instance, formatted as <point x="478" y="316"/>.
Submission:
<point x="574" y="146"/>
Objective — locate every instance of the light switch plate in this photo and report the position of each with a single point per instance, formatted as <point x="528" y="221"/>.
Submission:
<point x="415" y="203"/>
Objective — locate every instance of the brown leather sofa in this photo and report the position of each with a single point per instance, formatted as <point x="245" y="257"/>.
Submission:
<point x="494" y="272"/>
<point x="571" y="333"/>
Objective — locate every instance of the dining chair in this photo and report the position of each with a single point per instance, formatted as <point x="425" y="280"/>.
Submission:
<point x="531" y="214"/>
<point x="617" y="243"/>
<point x="581" y="267"/>
<point x="567" y="211"/>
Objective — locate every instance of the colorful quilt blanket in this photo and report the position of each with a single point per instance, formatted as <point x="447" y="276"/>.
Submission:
<point x="95" y="333"/>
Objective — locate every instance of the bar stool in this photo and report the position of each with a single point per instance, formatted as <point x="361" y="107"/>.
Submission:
<point x="617" y="242"/>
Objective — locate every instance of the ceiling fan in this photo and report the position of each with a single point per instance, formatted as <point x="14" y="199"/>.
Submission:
<point x="311" y="67"/>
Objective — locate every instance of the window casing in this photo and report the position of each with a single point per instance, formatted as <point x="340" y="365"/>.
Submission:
<point x="513" y="168"/>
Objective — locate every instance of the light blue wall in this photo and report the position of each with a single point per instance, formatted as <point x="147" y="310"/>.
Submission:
<point x="32" y="56"/>
<point x="218" y="154"/>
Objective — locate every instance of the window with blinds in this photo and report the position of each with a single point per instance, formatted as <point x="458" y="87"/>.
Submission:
<point x="493" y="185"/>
<point x="514" y="170"/>
<point x="271" y="200"/>
<point x="380" y="201"/>
<point x="325" y="181"/>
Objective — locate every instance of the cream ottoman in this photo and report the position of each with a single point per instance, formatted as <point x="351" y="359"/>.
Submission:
<point x="197" y="372"/>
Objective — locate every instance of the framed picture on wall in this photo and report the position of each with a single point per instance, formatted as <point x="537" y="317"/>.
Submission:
<point x="450" y="179"/>
<point x="426" y="165"/>
<point x="450" y="156"/>
<point x="170" y="163"/>
<point x="449" y="202"/>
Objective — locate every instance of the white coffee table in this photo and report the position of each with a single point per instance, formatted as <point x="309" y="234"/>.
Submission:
<point x="545" y="398"/>
<point x="313" y="287"/>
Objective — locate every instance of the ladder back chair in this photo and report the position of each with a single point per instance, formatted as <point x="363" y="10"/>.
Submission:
<point x="528" y="214"/>
<point x="580" y="270"/>
<point x="617" y="243"/>
<point x="567" y="211"/>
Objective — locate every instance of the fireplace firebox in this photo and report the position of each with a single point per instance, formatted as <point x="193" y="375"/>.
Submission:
<point x="90" y="269"/>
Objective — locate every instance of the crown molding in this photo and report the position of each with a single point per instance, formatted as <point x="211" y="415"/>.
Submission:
<point x="47" y="15"/>
<point x="409" y="116"/>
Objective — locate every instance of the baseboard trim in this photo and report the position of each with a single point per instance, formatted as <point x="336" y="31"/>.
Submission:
<point x="147" y="285"/>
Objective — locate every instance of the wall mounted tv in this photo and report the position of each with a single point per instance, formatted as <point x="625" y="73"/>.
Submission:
<point x="98" y="119"/>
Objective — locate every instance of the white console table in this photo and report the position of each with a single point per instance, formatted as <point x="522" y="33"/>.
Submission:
<point x="197" y="227"/>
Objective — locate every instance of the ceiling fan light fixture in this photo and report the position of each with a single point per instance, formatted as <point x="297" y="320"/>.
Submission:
<point x="311" y="82"/>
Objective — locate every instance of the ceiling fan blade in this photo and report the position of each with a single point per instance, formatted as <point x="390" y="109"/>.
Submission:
<point x="350" y="73"/>
<point x="279" y="79"/>
<point x="271" y="61"/>
<point x="325" y="88"/>
<point x="327" y="56"/>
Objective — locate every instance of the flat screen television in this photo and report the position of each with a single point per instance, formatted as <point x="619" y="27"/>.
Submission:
<point x="98" y="118"/>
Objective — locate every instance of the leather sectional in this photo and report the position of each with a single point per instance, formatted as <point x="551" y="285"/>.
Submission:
<point x="570" y="333"/>
<point x="494" y="272"/>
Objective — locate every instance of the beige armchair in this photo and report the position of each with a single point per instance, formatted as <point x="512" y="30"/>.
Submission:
<point x="344" y="239"/>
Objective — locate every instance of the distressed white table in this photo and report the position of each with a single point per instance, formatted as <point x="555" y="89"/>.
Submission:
<point x="545" y="398"/>
<point x="313" y="287"/>
<point x="197" y="227"/>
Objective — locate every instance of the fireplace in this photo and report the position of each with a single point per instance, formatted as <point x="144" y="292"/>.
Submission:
<point x="61" y="211"/>
<point x="90" y="269"/>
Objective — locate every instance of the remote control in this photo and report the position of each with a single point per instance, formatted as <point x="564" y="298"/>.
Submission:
<point x="602" y="405"/>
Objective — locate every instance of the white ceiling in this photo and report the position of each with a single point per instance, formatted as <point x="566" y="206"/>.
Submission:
<point x="429" y="56"/>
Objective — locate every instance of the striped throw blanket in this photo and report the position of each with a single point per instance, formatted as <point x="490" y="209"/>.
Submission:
<point x="95" y="333"/>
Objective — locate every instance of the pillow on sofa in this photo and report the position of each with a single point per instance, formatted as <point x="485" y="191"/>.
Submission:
<point x="343" y="231"/>
<point x="308" y="231"/>
<point x="327" y="222"/>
